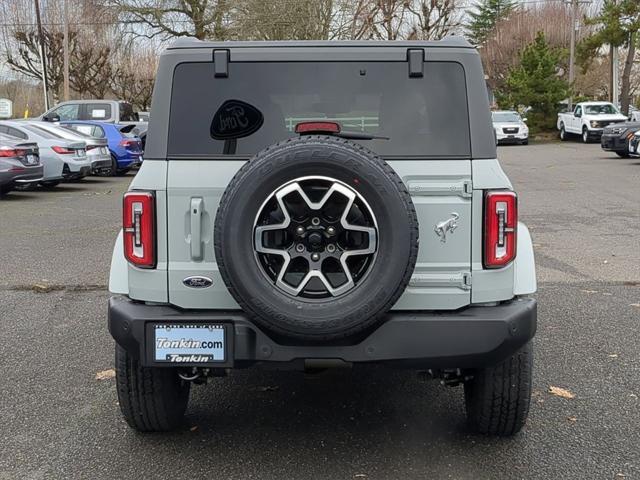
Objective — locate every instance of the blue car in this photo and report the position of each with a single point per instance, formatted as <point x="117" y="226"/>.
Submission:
<point x="125" y="147"/>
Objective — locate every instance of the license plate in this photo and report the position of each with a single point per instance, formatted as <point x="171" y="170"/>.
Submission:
<point x="189" y="343"/>
<point x="31" y="159"/>
<point x="511" y="136"/>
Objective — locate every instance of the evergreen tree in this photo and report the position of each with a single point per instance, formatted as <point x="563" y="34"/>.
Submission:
<point x="535" y="83"/>
<point x="484" y="18"/>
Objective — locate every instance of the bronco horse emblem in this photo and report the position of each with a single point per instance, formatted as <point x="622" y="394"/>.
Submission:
<point x="441" y="228"/>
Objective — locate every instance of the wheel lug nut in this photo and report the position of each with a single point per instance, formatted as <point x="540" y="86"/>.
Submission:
<point x="300" y="230"/>
<point x="299" y="248"/>
<point x="315" y="221"/>
<point x="315" y="257"/>
<point x="331" y="231"/>
<point x="331" y="248"/>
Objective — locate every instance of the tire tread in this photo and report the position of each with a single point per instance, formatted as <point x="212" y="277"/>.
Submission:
<point x="498" y="398"/>
<point x="151" y="399"/>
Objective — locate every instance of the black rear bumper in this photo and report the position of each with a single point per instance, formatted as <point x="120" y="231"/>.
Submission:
<point x="468" y="338"/>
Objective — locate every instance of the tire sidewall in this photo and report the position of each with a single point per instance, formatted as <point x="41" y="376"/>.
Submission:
<point x="301" y="317"/>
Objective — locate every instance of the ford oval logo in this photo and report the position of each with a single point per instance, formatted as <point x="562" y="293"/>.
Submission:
<point x="235" y="119"/>
<point x="197" y="281"/>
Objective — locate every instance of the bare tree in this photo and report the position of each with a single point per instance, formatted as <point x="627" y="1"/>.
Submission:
<point x="133" y="74"/>
<point x="202" y="19"/>
<point x="435" y="19"/>
<point x="89" y="49"/>
<point x="24" y="57"/>
<point x="283" y="19"/>
<point x="401" y="19"/>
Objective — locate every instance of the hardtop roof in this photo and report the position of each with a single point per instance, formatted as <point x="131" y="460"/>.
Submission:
<point x="447" y="42"/>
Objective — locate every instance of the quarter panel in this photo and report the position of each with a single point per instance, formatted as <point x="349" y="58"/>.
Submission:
<point x="187" y="180"/>
<point x="440" y="190"/>
<point x="151" y="284"/>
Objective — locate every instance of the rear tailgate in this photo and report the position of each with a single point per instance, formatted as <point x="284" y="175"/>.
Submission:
<point x="442" y="194"/>
<point x="426" y="122"/>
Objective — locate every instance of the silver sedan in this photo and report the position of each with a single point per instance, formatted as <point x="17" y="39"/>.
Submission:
<point x="62" y="159"/>
<point x="19" y="163"/>
<point x="97" y="148"/>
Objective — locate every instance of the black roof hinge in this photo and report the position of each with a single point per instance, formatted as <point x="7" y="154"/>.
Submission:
<point x="415" y="57"/>
<point x="221" y="63"/>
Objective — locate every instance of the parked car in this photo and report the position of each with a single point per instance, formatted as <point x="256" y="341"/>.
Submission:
<point x="97" y="148"/>
<point x="61" y="158"/>
<point x="125" y="147"/>
<point x="634" y="145"/>
<point x="307" y="255"/>
<point x="634" y="115"/>
<point x="510" y="127"/>
<point x="19" y="163"/>
<point x="109" y="111"/>
<point x="615" y="138"/>
<point x="588" y="119"/>
<point x="143" y="116"/>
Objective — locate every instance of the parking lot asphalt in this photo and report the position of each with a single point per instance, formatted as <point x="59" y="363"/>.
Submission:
<point x="58" y="421"/>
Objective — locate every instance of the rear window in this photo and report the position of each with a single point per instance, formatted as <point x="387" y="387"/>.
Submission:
<point x="422" y="117"/>
<point x="86" y="131"/>
<point x="44" y="133"/>
<point x="13" y="132"/>
<point x="98" y="111"/>
<point x="127" y="131"/>
<point x="126" y="113"/>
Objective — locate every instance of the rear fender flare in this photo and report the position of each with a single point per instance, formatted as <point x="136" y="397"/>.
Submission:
<point x="119" y="274"/>
<point x="524" y="281"/>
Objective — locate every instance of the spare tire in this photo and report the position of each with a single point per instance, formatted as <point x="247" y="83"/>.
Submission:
<point x="316" y="238"/>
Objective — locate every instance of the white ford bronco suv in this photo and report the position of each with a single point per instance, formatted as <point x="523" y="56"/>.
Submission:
<point x="275" y="222"/>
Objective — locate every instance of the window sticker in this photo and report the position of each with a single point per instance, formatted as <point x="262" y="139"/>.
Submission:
<point x="235" y="119"/>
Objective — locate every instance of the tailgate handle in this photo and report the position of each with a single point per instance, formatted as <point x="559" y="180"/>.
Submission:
<point x="195" y="216"/>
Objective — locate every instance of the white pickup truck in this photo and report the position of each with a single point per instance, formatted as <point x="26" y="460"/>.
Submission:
<point x="588" y="119"/>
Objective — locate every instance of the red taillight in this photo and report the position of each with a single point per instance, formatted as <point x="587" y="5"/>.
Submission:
<point x="318" y="127"/>
<point x="11" y="152"/>
<point x="63" y="150"/>
<point x="126" y="143"/>
<point x="139" y="226"/>
<point x="500" y="223"/>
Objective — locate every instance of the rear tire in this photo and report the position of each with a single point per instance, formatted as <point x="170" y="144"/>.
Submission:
<point x="563" y="133"/>
<point x="151" y="399"/>
<point x="4" y="189"/>
<point x="114" y="167"/>
<point x="624" y="154"/>
<point x="497" y="398"/>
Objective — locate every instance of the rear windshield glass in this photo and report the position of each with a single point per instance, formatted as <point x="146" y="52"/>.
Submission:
<point x="422" y="117"/>
<point x="85" y="131"/>
<point x="127" y="131"/>
<point x="98" y="111"/>
<point x="127" y="114"/>
<point x="48" y="134"/>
